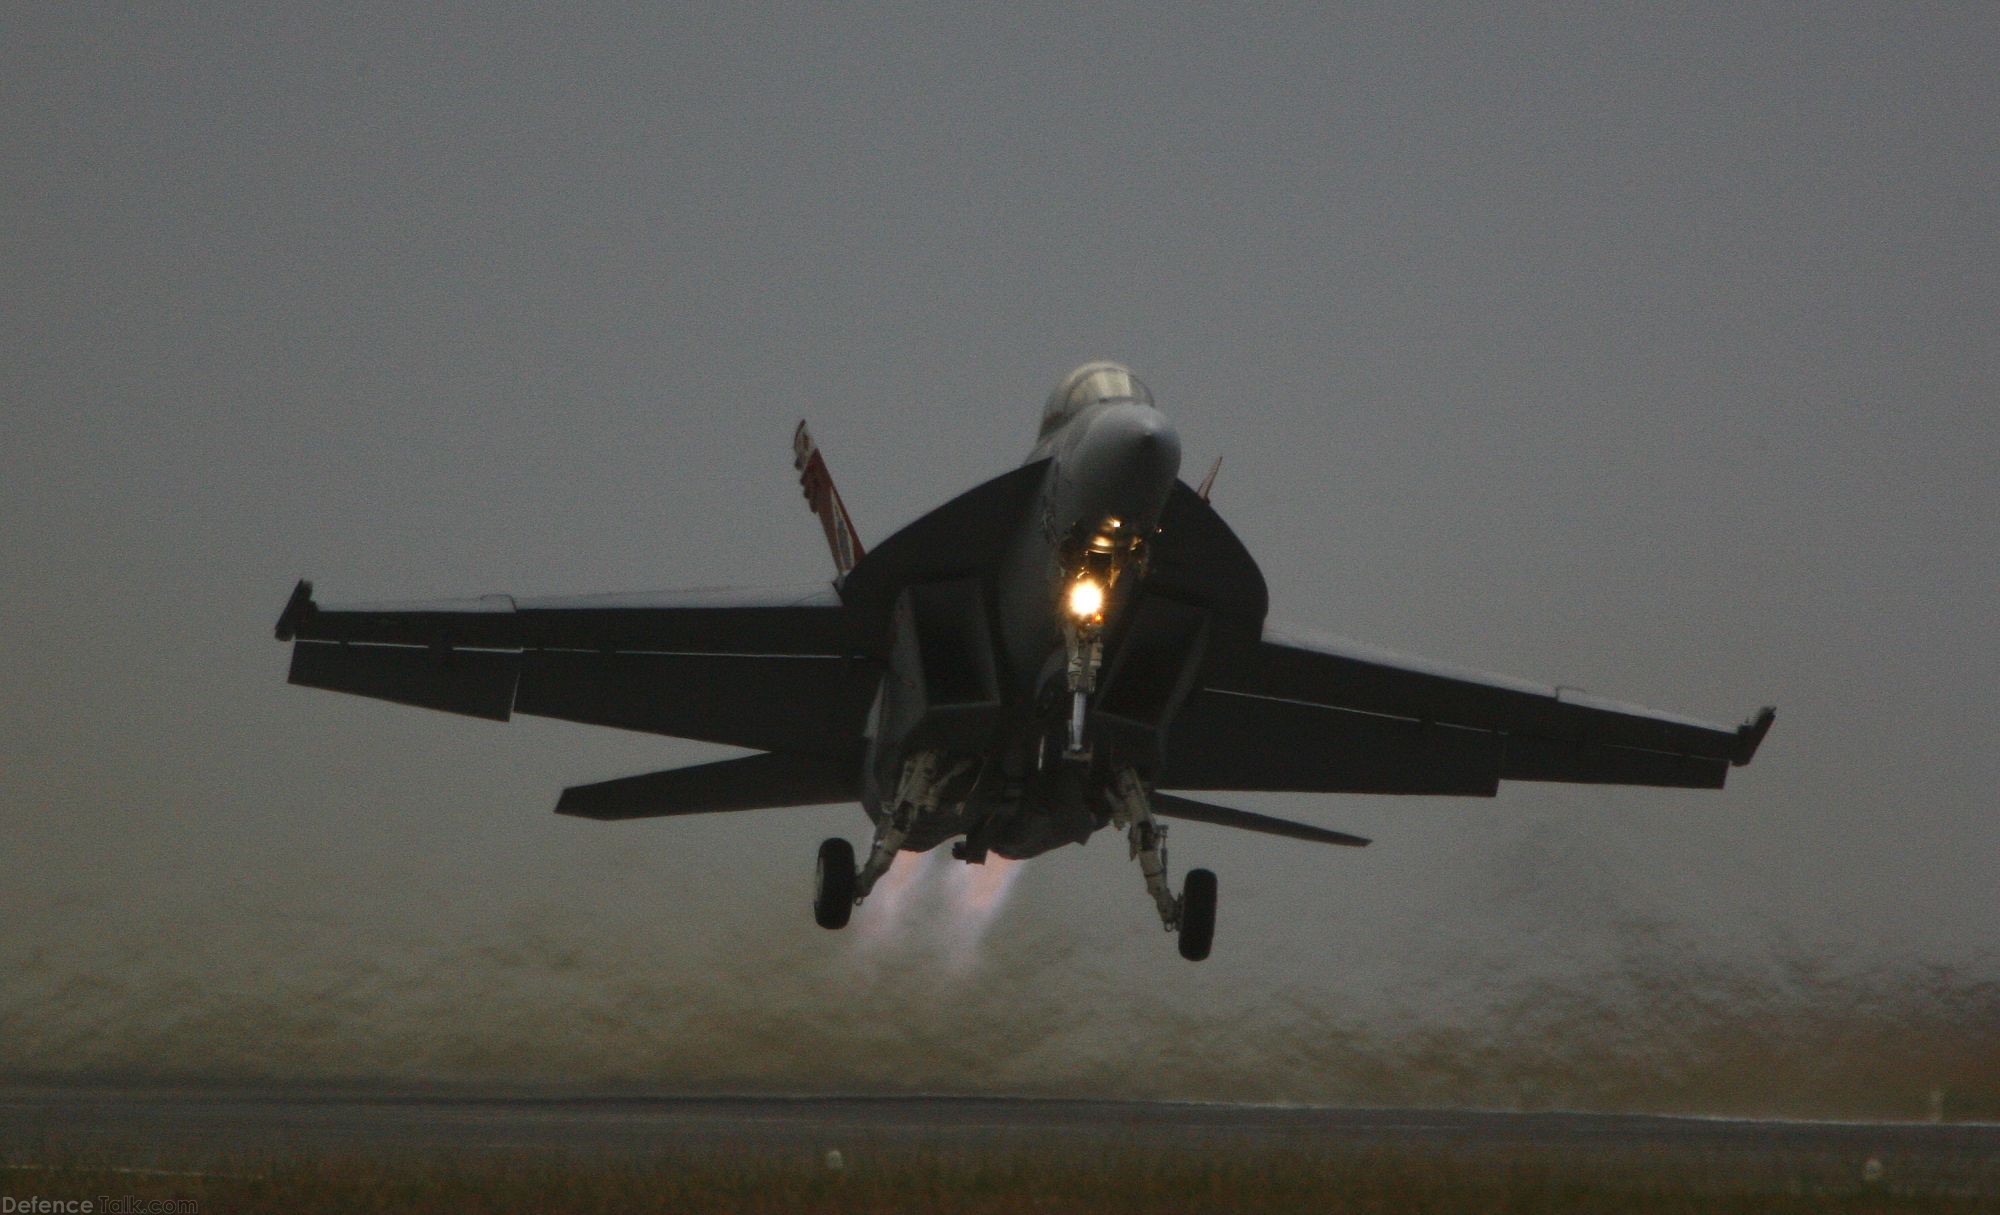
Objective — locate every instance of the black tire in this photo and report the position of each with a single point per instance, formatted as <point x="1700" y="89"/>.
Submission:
<point x="1197" y="914"/>
<point x="833" y="888"/>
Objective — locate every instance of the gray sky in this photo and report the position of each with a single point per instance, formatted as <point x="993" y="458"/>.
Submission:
<point x="1622" y="349"/>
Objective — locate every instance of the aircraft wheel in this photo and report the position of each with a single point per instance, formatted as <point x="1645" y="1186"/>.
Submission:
<point x="1197" y="914"/>
<point x="833" y="888"/>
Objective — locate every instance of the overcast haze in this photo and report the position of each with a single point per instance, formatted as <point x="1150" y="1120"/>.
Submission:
<point x="1648" y="354"/>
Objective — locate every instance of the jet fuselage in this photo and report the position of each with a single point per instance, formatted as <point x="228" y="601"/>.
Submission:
<point x="1111" y="461"/>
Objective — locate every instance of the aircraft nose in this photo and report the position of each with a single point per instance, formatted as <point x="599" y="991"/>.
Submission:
<point x="1138" y="440"/>
<point x="1126" y="464"/>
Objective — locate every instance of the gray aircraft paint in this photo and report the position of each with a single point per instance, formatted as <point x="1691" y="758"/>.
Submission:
<point x="1169" y="678"/>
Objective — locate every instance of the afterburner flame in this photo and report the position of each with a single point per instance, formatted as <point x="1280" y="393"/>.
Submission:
<point x="978" y="893"/>
<point x="982" y="889"/>
<point x="936" y="906"/>
<point x="892" y="895"/>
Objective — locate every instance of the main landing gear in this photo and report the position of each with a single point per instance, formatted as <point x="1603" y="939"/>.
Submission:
<point x="1192" y="914"/>
<point x="840" y="886"/>
<point x="833" y="888"/>
<point x="1197" y="932"/>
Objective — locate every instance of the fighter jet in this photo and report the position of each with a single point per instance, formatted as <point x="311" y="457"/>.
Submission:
<point x="1073" y="645"/>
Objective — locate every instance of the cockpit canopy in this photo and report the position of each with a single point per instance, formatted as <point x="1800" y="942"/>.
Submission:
<point x="1088" y="385"/>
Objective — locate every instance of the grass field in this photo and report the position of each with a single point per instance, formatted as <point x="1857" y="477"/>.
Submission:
<point x="1055" y="1179"/>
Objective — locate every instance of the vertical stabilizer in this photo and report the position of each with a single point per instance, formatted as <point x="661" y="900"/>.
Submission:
<point x="825" y="500"/>
<point x="1208" y="482"/>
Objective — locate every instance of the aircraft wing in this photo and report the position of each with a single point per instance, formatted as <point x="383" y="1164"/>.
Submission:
<point x="768" y="670"/>
<point x="1312" y="713"/>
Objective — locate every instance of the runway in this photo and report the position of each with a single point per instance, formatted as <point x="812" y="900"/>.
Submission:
<point x="141" y="1126"/>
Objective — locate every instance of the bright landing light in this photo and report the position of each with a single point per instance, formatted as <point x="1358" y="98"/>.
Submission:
<point x="1086" y="599"/>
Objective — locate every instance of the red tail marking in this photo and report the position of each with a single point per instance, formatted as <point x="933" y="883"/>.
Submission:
<point x="1208" y="482"/>
<point x="825" y="499"/>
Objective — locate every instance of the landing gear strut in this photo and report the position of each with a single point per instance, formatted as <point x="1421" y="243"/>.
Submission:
<point x="1192" y="913"/>
<point x="840" y="885"/>
<point x="1083" y="642"/>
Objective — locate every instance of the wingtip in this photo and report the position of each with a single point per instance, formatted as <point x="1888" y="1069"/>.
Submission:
<point x="297" y="608"/>
<point x="1750" y="735"/>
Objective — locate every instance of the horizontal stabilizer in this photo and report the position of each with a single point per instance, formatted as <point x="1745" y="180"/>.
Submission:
<point x="754" y="782"/>
<point x="1168" y="806"/>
